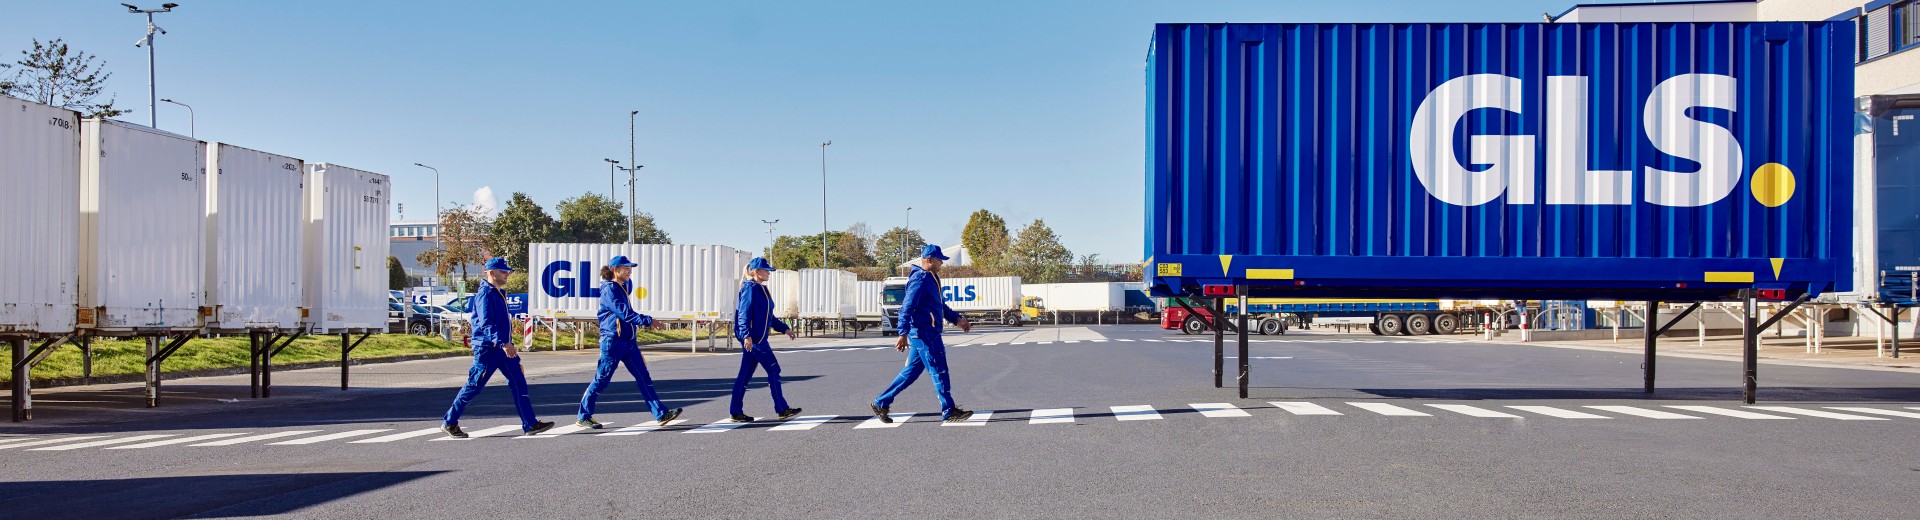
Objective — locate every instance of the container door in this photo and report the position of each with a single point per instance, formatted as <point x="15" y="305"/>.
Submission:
<point x="1896" y="137"/>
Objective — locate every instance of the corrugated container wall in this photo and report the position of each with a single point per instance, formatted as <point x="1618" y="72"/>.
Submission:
<point x="40" y="165"/>
<point x="346" y="248"/>
<point x="981" y="294"/>
<point x="826" y="293"/>
<point x="867" y="298"/>
<point x="1078" y="297"/>
<point x="1632" y="161"/>
<point x="672" y="282"/>
<point x="142" y="228"/>
<point x="784" y="288"/>
<point x="254" y="260"/>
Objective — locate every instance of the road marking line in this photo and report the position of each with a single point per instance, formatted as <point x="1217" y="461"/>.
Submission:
<point x="42" y="442"/>
<point x="489" y="432"/>
<point x="1051" y="416"/>
<point x="1557" y="412"/>
<point x="1643" y="412"/>
<point x="874" y="422"/>
<point x="1895" y="413"/>
<point x="803" y="423"/>
<point x="251" y="438"/>
<point x="990" y="344"/>
<point x="1044" y="343"/>
<point x="328" y="437"/>
<point x="1073" y="341"/>
<point x="718" y="426"/>
<point x="1390" y="410"/>
<point x="1303" y="408"/>
<point x="643" y="428"/>
<point x="1219" y="410"/>
<point x="1729" y="412"/>
<point x="556" y="431"/>
<point x="1123" y="340"/>
<point x="400" y="436"/>
<point x="1143" y="412"/>
<point x="979" y="419"/>
<point x="1818" y="413"/>
<point x="104" y="442"/>
<point x="1474" y="411"/>
<point x="169" y="442"/>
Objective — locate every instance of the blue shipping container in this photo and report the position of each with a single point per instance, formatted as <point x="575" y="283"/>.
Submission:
<point x="1668" y="161"/>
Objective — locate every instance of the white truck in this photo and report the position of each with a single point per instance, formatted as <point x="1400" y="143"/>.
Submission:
<point x="1092" y="303"/>
<point x="981" y="300"/>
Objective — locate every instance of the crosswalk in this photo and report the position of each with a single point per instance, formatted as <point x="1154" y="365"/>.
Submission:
<point x="1306" y="410"/>
<point x="874" y="345"/>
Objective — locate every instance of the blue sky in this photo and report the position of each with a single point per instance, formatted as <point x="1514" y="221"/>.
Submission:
<point x="1028" y="109"/>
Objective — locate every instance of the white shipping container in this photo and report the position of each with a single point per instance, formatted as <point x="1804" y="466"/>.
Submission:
<point x="784" y="288"/>
<point x="1079" y="297"/>
<point x="826" y="294"/>
<point x="254" y="260"/>
<point x="345" y="244"/>
<point x="40" y="166"/>
<point x="867" y="299"/>
<point x="672" y="282"/>
<point x="142" y="227"/>
<point x="981" y="294"/>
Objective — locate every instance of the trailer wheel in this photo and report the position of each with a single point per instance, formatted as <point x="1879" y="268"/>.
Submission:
<point x="1418" y="325"/>
<point x="1390" y="325"/>
<point x="1446" y="324"/>
<point x="1374" y="327"/>
<point x="1193" y="326"/>
<point x="1272" y="327"/>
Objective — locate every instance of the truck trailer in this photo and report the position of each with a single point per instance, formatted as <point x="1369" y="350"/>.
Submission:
<point x="993" y="299"/>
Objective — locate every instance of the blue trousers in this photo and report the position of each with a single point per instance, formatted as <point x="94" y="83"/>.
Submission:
<point x="485" y="361"/>
<point x="760" y="356"/>
<point x="922" y="356"/>
<point x="611" y="358"/>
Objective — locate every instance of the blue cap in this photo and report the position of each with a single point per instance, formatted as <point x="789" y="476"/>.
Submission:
<point x="932" y="251"/>
<point x="498" y="264"/>
<point x="760" y="263"/>
<point x="621" y="261"/>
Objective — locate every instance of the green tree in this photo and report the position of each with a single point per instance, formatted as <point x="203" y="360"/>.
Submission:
<point x="52" y="73"/>
<point x="645" y="231"/>
<point x="396" y="274"/>
<point x="794" y="252"/>
<point x="520" y="223"/>
<point x="591" y="219"/>
<point x="1037" y="256"/>
<point x="516" y="283"/>
<point x="851" y="248"/>
<point x="463" y="235"/>
<point x="985" y="237"/>
<point x="896" y="246"/>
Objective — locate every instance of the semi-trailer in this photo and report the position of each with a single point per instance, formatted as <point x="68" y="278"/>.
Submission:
<point x="994" y="299"/>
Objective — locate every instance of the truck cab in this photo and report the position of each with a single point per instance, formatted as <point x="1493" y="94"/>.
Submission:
<point x="1032" y="307"/>
<point x="891" y="295"/>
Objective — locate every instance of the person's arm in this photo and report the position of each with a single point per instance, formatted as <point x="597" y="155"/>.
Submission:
<point x="742" y="315"/>
<point x="910" y="303"/>
<point x="627" y="314"/>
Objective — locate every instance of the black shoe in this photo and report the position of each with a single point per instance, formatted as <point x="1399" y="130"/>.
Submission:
<point x="960" y="415"/>
<point x="671" y="415"/>
<point x="789" y="413"/>
<point x="453" y="430"/>
<point x="540" y="427"/>
<point x="742" y="418"/>
<point x="882" y="413"/>
<point x="588" y="423"/>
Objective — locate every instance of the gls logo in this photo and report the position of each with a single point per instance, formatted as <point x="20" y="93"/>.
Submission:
<point x="1664" y="118"/>
<point x="958" y="293"/>
<point x="559" y="280"/>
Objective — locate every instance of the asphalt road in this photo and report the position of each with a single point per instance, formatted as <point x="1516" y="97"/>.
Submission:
<point x="1105" y="421"/>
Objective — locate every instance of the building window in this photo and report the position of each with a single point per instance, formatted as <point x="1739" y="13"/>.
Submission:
<point x="1887" y="30"/>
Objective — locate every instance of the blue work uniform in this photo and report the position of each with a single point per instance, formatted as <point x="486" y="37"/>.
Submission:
<point x="618" y="323"/>
<point x="752" y="320"/>
<point x="921" y="320"/>
<point x="492" y="332"/>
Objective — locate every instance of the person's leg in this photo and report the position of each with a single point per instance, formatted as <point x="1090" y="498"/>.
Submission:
<point x="936" y="359"/>
<point x="747" y="365"/>
<point x="908" y="374"/>
<point x="764" y="355"/>
<point x="477" y="377"/>
<point x="517" y="383"/>
<point x="637" y="365"/>
<point x="601" y="376"/>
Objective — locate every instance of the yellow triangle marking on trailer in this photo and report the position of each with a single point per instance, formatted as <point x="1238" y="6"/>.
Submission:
<point x="1776" y="266"/>
<point x="1225" y="260"/>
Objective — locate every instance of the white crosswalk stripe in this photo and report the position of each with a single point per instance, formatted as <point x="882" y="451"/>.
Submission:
<point x="1051" y="416"/>
<point x="43" y="442"/>
<point x="718" y="426"/>
<point x="1303" y="408"/>
<point x="1135" y="413"/>
<point x="104" y="442"/>
<point x="1391" y="410"/>
<point x="642" y="428"/>
<point x="979" y="418"/>
<point x="1558" y="412"/>
<point x="557" y="431"/>
<point x="803" y="423"/>
<point x="1219" y="410"/>
<point x="1817" y="413"/>
<point x="400" y="436"/>
<point x="1894" y="413"/>
<point x="488" y="432"/>
<point x="327" y="437"/>
<point x="170" y="442"/>
<point x="251" y="438"/>
<point x="1642" y="412"/>
<point x="874" y="422"/>
<point x="1729" y="412"/>
<point x="1474" y="411"/>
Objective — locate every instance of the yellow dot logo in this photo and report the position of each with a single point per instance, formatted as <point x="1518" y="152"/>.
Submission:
<point x="639" y="293"/>
<point x="1772" y="184"/>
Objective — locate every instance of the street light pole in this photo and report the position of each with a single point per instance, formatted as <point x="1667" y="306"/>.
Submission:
<point x="631" y="214"/>
<point x="909" y="228"/>
<point x="770" y="224"/>
<point x="612" y="166"/>
<point x="634" y="160"/>
<point x="823" y="203"/>
<point x="192" y="123"/>
<point x="148" y="41"/>
<point x="440" y="250"/>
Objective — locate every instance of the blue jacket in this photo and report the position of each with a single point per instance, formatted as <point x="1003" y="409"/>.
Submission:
<point x="492" y="324"/>
<point x="754" y="315"/>
<point x="617" y="319"/>
<point x="922" y="309"/>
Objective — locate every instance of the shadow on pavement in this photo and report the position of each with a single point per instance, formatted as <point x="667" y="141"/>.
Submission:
<point x="211" y="496"/>
<point x="1765" y="394"/>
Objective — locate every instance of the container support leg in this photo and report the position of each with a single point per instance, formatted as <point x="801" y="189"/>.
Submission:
<point x="22" y="382"/>
<point x="1750" y="351"/>
<point x="253" y="361"/>
<point x="86" y="360"/>
<point x="1651" y="340"/>
<point x="266" y="359"/>
<point x="1219" y="342"/>
<point x="1241" y="334"/>
<point x="347" y="348"/>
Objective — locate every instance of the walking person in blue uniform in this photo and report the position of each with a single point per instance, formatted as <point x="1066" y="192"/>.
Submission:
<point x="752" y="319"/>
<point x="493" y="350"/>
<point x="921" y="315"/>
<point x="618" y="324"/>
